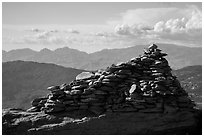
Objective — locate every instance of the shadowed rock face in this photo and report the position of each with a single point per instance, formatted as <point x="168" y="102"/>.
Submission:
<point x="16" y="122"/>
<point x="140" y="96"/>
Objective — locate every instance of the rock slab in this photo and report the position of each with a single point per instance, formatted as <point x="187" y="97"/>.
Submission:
<point x="17" y="122"/>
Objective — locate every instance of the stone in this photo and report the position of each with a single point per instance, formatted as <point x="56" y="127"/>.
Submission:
<point x="106" y="88"/>
<point x="33" y="109"/>
<point x="133" y="88"/>
<point x="153" y="46"/>
<point x="109" y="84"/>
<point x="73" y="108"/>
<point x="111" y="76"/>
<point x="170" y="109"/>
<point x="89" y="100"/>
<point x="51" y="88"/>
<point x="68" y="97"/>
<point x="55" y="104"/>
<point x="79" y="87"/>
<point x="88" y="91"/>
<point x="98" y="104"/>
<point x="54" y="110"/>
<point x="84" y="75"/>
<point x="96" y="110"/>
<point x="157" y="74"/>
<point x="36" y="101"/>
<point x="126" y="109"/>
<point x="64" y="87"/>
<point x="88" y="96"/>
<point x="83" y="107"/>
<point x="57" y="92"/>
<point x="122" y="76"/>
<point x="76" y="92"/>
<point x="68" y="102"/>
<point x="124" y="72"/>
<point x="138" y="106"/>
<point x="100" y="92"/>
<point x="151" y="110"/>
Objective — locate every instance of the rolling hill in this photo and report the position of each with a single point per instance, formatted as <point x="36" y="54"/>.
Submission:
<point x="191" y="80"/>
<point x="179" y="56"/>
<point x="24" y="81"/>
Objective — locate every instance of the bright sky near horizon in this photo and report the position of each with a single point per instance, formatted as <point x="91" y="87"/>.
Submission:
<point x="91" y="27"/>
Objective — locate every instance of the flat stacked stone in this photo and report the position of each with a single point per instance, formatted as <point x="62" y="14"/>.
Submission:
<point x="143" y="84"/>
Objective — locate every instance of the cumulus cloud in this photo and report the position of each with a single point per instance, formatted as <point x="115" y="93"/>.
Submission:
<point x="180" y="25"/>
<point x="43" y="35"/>
<point x="134" y="30"/>
<point x="188" y="25"/>
<point x="123" y="29"/>
<point x="147" y="16"/>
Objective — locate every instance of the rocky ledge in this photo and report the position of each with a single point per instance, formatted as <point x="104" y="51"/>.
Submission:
<point x="37" y="123"/>
<point x="140" y="96"/>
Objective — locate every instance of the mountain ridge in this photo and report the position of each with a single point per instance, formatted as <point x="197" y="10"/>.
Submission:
<point x="180" y="56"/>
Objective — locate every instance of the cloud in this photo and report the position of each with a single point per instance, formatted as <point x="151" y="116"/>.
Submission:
<point x="35" y="30"/>
<point x="187" y="27"/>
<point x="135" y="30"/>
<point x="38" y="30"/>
<point x="73" y="31"/>
<point x="103" y="34"/>
<point x="161" y="25"/>
<point x="195" y="22"/>
<point x="42" y="35"/>
<point x="54" y="31"/>
<point x="147" y="16"/>
<point x="45" y="37"/>
<point x="181" y="25"/>
<point x="123" y="29"/>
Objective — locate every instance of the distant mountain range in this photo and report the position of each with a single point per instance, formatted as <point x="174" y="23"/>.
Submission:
<point x="23" y="81"/>
<point x="179" y="56"/>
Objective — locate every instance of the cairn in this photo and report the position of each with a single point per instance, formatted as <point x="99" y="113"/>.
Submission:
<point x="143" y="84"/>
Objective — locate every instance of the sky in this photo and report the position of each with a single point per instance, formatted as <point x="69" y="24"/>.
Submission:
<point x="91" y="27"/>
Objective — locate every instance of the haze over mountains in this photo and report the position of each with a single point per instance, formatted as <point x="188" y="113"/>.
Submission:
<point x="179" y="56"/>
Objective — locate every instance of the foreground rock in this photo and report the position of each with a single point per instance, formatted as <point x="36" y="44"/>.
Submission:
<point x="37" y="123"/>
<point x="139" y="96"/>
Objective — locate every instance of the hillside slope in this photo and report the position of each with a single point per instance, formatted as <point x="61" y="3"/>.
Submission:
<point x="191" y="80"/>
<point x="24" y="81"/>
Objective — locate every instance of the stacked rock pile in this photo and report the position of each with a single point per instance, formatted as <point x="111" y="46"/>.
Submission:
<point x="143" y="84"/>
